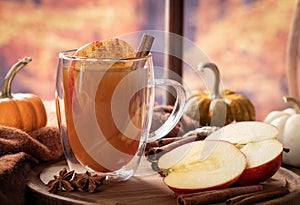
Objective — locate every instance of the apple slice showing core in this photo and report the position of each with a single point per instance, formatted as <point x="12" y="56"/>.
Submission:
<point x="188" y="173"/>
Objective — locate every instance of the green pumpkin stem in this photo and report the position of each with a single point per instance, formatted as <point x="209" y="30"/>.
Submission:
<point x="293" y="102"/>
<point x="6" y="88"/>
<point x="216" y="94"/>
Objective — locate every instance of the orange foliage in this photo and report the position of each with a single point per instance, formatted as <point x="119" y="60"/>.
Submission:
<point x="247" y="42"/>
<point x="249" y="46"/>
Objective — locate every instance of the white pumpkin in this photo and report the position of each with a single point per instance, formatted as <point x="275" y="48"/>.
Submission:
<point x="288" y="123"/>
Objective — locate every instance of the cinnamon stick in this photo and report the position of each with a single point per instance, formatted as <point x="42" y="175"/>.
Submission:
<point x="216" y="196"/>
<point x="165" y="141"/>
<point x="238" y="198"/>
<point x="154" y="153"/>
<point x="143" y="50"/>
<point x="145" y="46"/>
<point x="150" y="145"/>
<point x="252" y="198"/>
<point x="160" y="142"/>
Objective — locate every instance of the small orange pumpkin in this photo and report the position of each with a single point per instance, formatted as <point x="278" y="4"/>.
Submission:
<point x="24" y="111"/>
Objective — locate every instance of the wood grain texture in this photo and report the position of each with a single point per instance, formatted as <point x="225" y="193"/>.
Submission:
<point x="142" y="189"/>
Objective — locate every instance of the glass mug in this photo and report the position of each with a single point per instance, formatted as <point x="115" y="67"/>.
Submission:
<point x="104" y="111"/>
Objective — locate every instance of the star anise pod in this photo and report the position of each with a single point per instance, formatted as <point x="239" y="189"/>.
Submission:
<point x="87" y="181"/>
<point x="61" y="182"/>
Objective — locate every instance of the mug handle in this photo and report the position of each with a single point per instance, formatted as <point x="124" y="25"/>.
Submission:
<point x="177" y="112"/>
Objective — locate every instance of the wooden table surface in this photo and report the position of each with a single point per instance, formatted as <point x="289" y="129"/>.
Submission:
<point x="146" y="187"/>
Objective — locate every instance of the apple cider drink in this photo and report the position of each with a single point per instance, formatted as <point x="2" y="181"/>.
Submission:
<point x="99" y="139"/>
<point x="105" y="98"/>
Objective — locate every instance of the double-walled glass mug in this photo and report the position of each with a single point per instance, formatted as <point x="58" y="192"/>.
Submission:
<point x="104" y="111"/>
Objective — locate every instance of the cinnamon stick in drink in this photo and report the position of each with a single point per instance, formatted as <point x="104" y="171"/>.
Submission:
<point x="145" y="46"/>
<point x="216" y="196"/>
<point x="143" y="50"/>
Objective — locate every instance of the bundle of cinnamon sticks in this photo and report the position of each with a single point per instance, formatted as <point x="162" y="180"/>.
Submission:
<point x="234" y="195"/>
<point x="157" y="148"/>
<point x="154" y="150"/>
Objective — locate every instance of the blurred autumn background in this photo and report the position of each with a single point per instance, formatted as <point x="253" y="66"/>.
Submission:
<point x="247" y="39"/>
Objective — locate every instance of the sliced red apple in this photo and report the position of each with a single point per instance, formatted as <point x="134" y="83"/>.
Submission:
<point x="263" y="160"/>
<point x="257" y="140"/>
<point x="188" y="172"/>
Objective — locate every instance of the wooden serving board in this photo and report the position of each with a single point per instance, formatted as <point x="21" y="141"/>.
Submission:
<point x="146" y="187"/>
